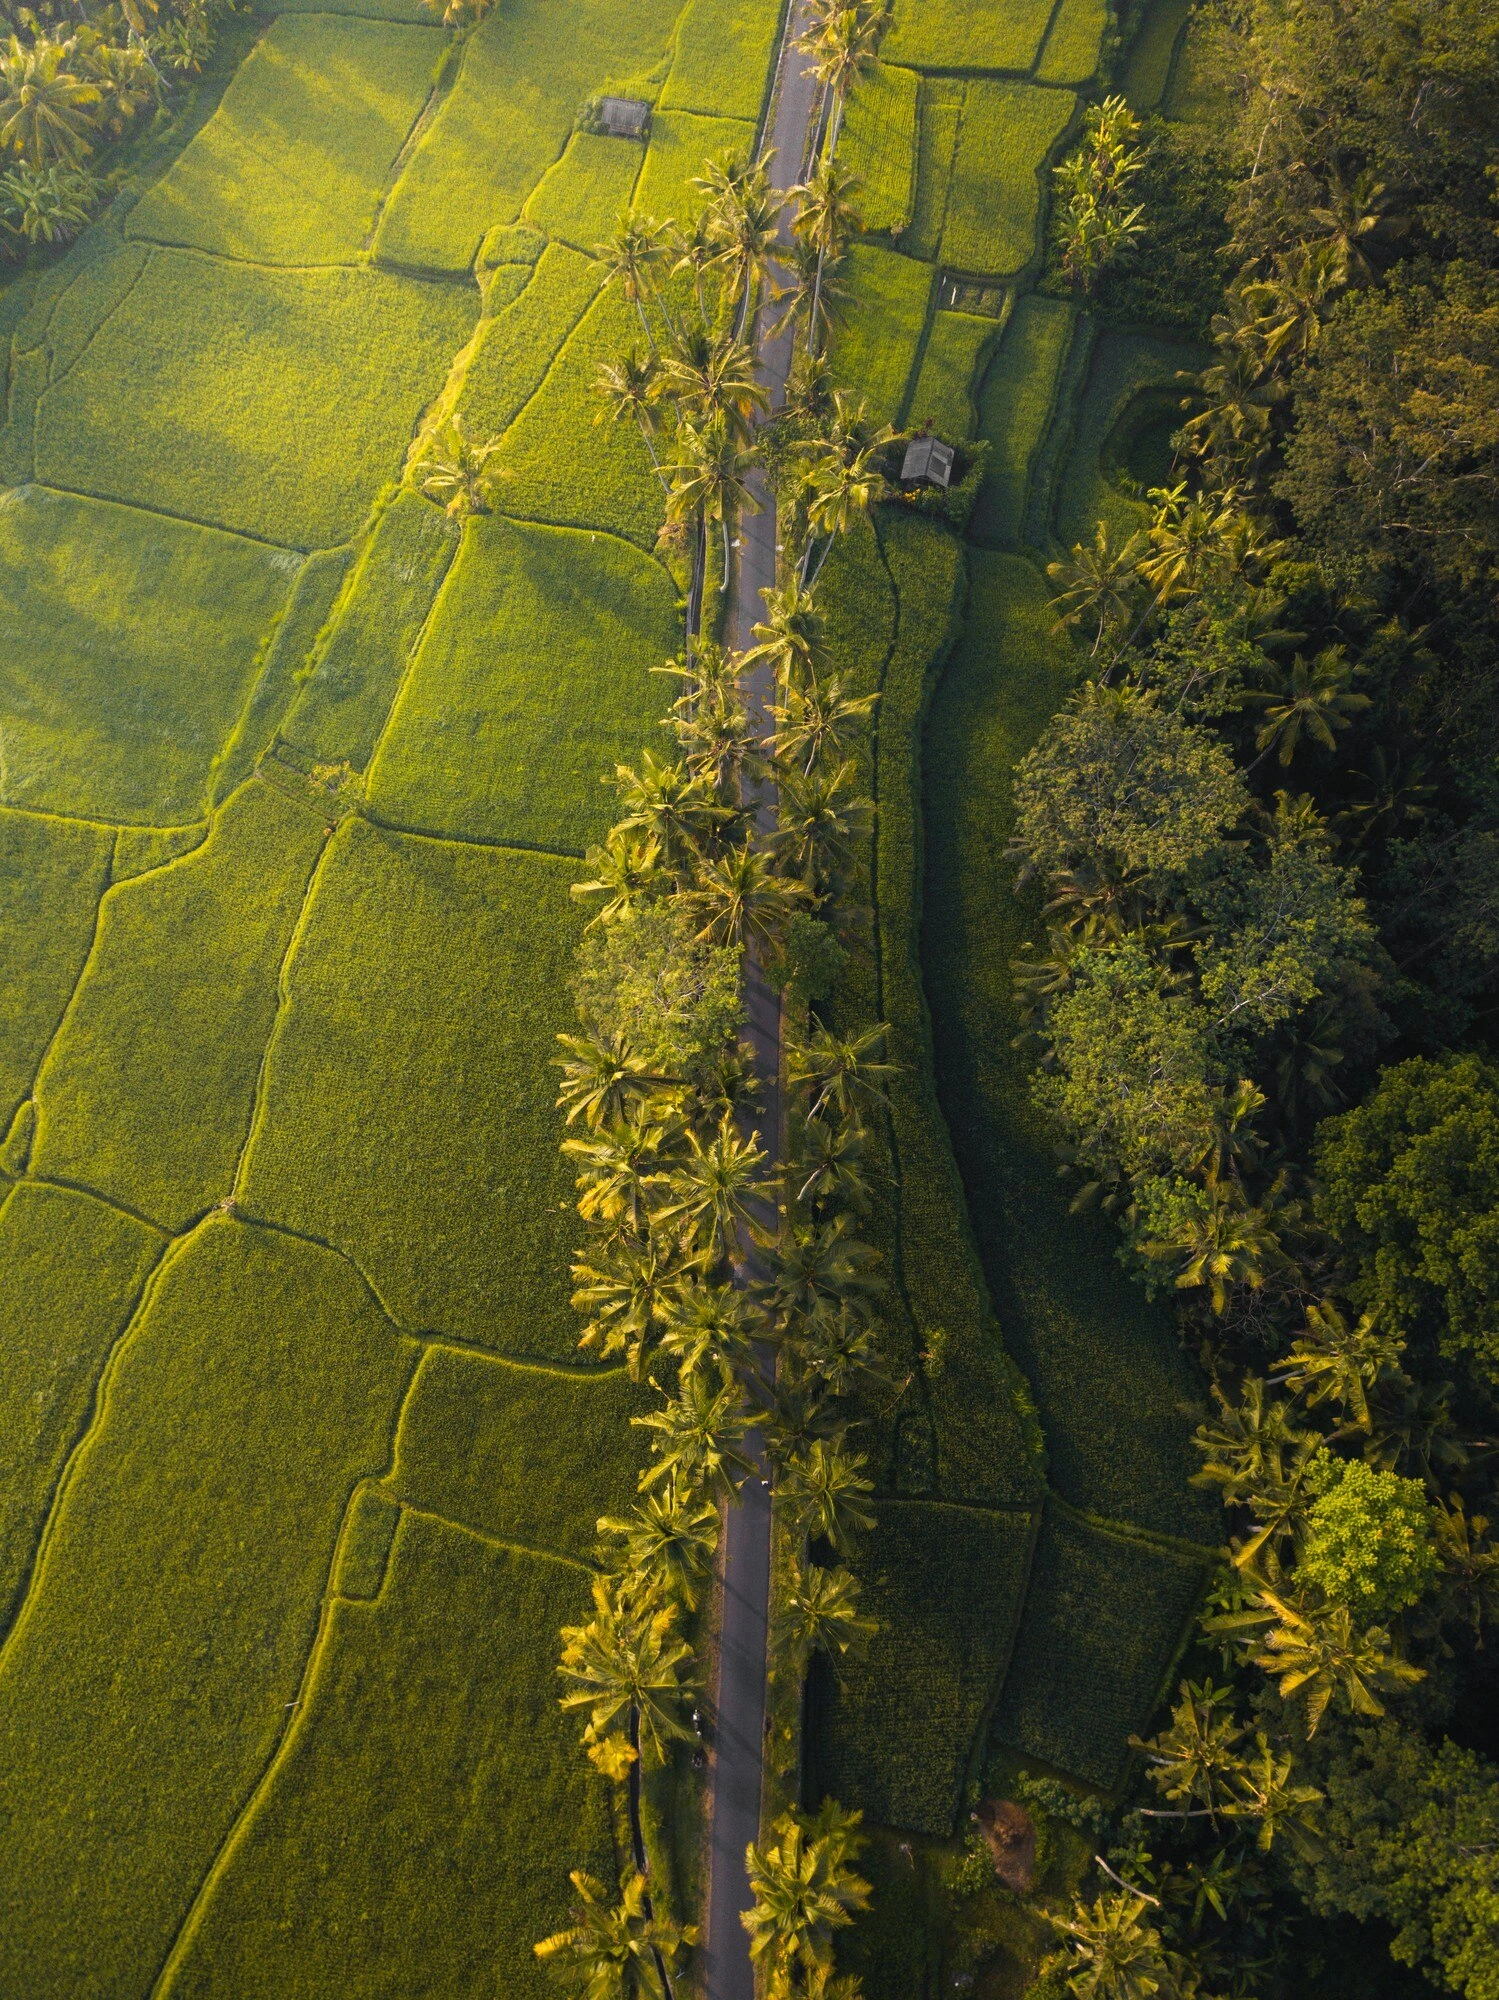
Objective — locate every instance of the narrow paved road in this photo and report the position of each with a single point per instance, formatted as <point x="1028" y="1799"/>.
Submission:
<point x="739" y="1739"/>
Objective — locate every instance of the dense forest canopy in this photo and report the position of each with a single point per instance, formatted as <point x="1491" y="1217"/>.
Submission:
<point x="1262" y="847"/>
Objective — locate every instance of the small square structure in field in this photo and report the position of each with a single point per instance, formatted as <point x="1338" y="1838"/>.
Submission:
<point x="624" y="117"/>
<point x="929" y="461"/>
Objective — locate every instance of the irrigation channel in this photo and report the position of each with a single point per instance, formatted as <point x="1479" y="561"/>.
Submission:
<point x="739" y="1733"/>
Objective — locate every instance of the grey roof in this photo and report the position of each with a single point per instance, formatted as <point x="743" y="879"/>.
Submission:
<point x="928" y="458"/>
<point x="624" y="117"/>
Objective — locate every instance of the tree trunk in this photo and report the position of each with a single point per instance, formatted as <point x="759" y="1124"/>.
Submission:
<point x="637" y="1847"/>
<point x="699" y="568"/>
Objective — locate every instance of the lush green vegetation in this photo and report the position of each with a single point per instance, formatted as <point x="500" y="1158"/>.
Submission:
<point x="1073" y="43"/>
<point x="721" y="67"/>
<point x="437" y="1885"/>
<point x="531" y="683"/>
<point x="967" y="34"/>
<point x="943" y="396"/>
<point x="523" y="73"/>
<point x="527" y="1456"/>
<point x="1116" y="1402"/>
<point x="879" y="145"/>
<point x="52" y="874"/>
<point x="392" y="1122"/>
<point x="291" y="167"/>
<point x="146" y="1092"/>
<point x="107" y="715"/>
<point x="579" y="200"/>
<point x="876" y="339"/>
<point x="330" y="1038"/>
<point x="70" y="1273"/>
<point x="897" y="1730"/>
<point x="1015" y="405"/>
<point x="1130" y="393"/>
<point x="351" y="670"/>
<point x="258" y="1384"/>
<point x="1089" y="1662"/>
<point x="1005" y="138"/>
<point x="351" y="354"/>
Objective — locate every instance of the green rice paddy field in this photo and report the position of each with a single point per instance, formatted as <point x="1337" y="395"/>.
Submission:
<point x="1040" y="1553"/>
<point x="298" y="1473"/>
<point x="298" y="1470"/>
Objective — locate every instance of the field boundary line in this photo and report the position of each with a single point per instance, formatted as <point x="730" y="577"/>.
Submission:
<point x="67" y="1008"/>
<point x="1128" y="1531"/>
<point x="98" y="1406"/>
<point x="500" y="1542"/>
<point x="56" y="381"/>
<point x="413" y="651"/>
<point x="467" y="839"/>
<point x="188" y="520"/>
<point x="248" y="1219"/>
<point x="557" y="353"/>
<point x="283" y="997"/>
<point x="291" y="1723"/>
<point x="524" y="1364"/>
<point x="449" y="69"/>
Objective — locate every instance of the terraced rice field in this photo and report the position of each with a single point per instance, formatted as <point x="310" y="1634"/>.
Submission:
<point x="297" y="1474"/>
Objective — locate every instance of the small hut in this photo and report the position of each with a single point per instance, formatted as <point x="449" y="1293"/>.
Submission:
<point x="928" y="461"/>
<point x="623" y="117"/>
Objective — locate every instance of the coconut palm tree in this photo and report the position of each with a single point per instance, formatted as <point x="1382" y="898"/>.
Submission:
<point x="628" y="1661"/>
<point x="601" y="1082"/>
<point x="626" y="1288"/>
<point x="709" y="481"/>
<point x="623" y="1169"/>
<point x="615" y="1951"/>
<point x="666" y="803"/>
<point x="711" y="1323"/>
<point x="805" y="1888"/>
<point x="708" y="377"/>
<point x="819" y="1265"/>
<point x="822" y="821"/>
<point x="47" y="110"/>
<point x="715" y="1191"/>
<point x="741" y="899"/>
<point x="825" y="1487"/>
<point x="838" y="1070"/>
<point x="1099" y="586"/>
<point x="819" y="719"/>
<point x="696" y="1436"/>
<point x="789" y="637"/>
<point x="668" y="1541"/>
<point x="1313" y="700"/>
<point x="820" y="1614"/>
<point x="1333" y="1359"/>
<point x="627" y="871"/>
<point x="1197" y="1762"/>
<point x="843" y="42"/>
<point x="1316" y="1653"/>
<point x="1224" y="1242"/>
<point x="827" y="1160"/>
<point x="1116" y="1955"/>
<point x="631" y="388"/>
<point x="826" y="217"/>
<point x="838" y="489"/>
<point x="631" y="258"/>
<point x="742" y="220"/>
<point x="458" y="471"/>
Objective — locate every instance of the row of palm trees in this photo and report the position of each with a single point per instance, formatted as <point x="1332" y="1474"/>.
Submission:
<point x="693" y="389"/>
<point x="739" y="1286"/>
<point x="678" y="1198"/>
